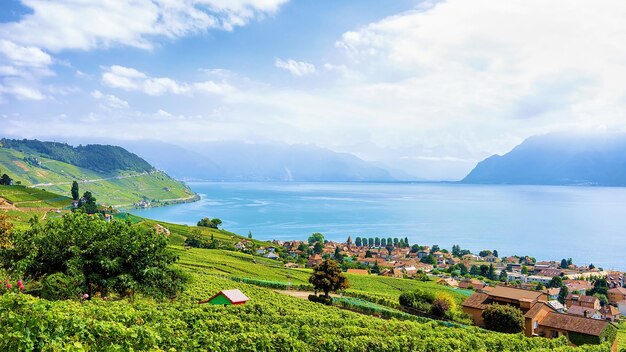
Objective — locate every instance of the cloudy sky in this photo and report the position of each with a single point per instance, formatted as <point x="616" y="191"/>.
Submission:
<point x="430" y="87"/>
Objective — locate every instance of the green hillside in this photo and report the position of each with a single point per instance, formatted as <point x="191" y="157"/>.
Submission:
<point x="118" y="188"/>
<point x="270" y="321"/>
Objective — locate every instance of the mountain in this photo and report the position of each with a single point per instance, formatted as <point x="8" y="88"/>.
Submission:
<point x="238" y="161"/>
<point x="558" y="159"/>
<point x="115" y="176"/>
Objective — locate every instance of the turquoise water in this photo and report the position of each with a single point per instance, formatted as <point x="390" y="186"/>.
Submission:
<point x="546" y="222"/>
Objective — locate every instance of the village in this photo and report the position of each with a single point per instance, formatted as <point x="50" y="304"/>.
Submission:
<point x="557" y="298"/>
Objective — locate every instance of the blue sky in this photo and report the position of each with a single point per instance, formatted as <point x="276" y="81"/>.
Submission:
<point x="430" y="87"/>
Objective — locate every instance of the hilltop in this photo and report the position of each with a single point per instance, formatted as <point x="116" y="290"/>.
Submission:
<point x="558" y="159"/>
<point x="115" y="176"/>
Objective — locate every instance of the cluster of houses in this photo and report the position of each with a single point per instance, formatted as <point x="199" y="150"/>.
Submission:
<point x="581" y="319"/>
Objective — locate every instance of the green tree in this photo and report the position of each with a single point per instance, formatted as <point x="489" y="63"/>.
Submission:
<point x="563" y="294"/>
<point x="88" y="203"/>
<point x="318" y="248"/>
<point x="377" y="241"/>
<point x="6" y="180"/>
<point x="491" y="273"/>
<point x="435" y="248"/>
<point x="249" y="234"/>
<point x="358" y="242"/>
<point x="429" y="259"/>
<point x="556" y="281"/>
<point x="75" y="192"/>
<point x="539" y="286"/>
<point x="503" y="276"/>
<point x="600" y="286"/>
<point x="383" y="242"/>
<point x="485" y="253"/>
<point x="503" y="318"/>
<point x="370" y="241"/>
<point x="395" y="241"/>
<point x="495" y="253"/>
<point x="456" y="250"/>
<point x="564" y="264"/>
<point x="97" y="256"/>
<point x="327" y="277"/>
<point x="406" y="241"/>
<point x="375" y="268"/>
<point x="210" y="223"/>
<point x="524" y="270"/>
<point x="316" y="237"/>
<point x="368" y="254"/>
<point x="389" y="241"/>
<point x="462" y="269"/>
<point x="602" y="298"/>
<point x="338" y="256"/>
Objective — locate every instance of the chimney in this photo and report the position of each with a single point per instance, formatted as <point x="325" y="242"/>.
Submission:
<point x="585" y="313"/>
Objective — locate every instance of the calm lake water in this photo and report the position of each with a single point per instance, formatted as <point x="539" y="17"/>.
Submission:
<point x="584" y="223"/>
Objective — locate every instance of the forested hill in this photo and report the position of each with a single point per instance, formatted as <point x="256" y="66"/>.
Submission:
<point x="558" y="159"/>
<point x="115" y="176"/>
<point x="96" y="157"/>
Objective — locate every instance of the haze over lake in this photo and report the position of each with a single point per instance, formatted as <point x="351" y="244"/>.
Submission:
<point x="546" y="222"/>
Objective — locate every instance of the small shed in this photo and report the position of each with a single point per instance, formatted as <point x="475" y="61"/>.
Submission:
<point x="227" y="297"/>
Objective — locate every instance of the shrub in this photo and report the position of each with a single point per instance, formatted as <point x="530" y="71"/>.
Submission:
<point x="61" y="286"/>
<point x="503" y="318"/>
<point x="321" y="299"/>
<point x="442" y="304"/>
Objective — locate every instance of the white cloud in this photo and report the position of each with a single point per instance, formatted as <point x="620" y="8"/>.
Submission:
<point x="296" y="68"/>
<point x="131" y="79"/>
<point x="109" y="100"/>
<point x="79" y="24"/>
<point x="24" y="55"/>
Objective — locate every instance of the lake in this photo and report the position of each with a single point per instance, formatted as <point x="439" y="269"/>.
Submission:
<point x="546" y="222"/>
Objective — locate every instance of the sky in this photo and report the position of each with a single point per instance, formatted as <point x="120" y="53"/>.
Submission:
<point x="428" y="87"/>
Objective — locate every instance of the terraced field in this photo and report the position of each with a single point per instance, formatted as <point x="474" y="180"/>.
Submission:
<point x="120" y="189"/>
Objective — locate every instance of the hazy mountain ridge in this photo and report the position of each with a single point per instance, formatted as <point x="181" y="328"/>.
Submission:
<point x="558" y="159"/>
<point x="237" y="161"/>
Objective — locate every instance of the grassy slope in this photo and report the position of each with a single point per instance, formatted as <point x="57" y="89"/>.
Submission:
<point x="58" y="176"/>
<point x="271" y="321"/>
<point x="621" y="336"/>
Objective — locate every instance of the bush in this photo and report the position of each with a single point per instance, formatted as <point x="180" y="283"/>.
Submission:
<point x="61" y="286"/>
<point x="321" y="299"/>
<point x="503" y="318"/>
<point x="442" y="304"/>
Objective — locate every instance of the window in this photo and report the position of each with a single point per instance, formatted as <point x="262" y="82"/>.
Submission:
<point x="555" y="334"/>
<point x="535" y="325"/>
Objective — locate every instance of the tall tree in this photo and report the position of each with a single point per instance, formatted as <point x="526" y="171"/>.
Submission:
<point x="357" y="242"/>
<point x="406" y="241"/>
<point x="75" y="192"/>
<point x="563" y="294"/>
<point x="327" y="277"/>
<point x="564" y="264"/>
<point x="316" y="237"/>
<point x="370" y="241"/>
<point x="383" y="242"/>
<point x="377" y="241"/>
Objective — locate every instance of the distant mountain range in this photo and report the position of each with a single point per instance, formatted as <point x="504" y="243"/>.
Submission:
<point x="238" y="161"/>
<point x="558" y="159"/>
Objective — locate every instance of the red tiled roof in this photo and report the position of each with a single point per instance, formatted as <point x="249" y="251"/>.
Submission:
<point x="574" y="323"/>
<point x="476" y="300"/>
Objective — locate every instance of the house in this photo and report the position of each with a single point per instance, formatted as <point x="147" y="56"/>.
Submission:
<point x="490" y="258"/>
<point x="553" y="292"/>
<point x="616" y="295"/>
<point x="556" y="305"/>
<point x="610" y="313"/>
<point x="540" y="318"/>
<point x="227" y="298"/>
<point x="480" y="300"/>
<point x="448" y="282"/>
<point x="543" y="321"/>
<point x="272" y="255"/>
<point x="583" y="301"/>
<point x="585" y="312"/>
<point x="313" y="260"/>
<point x="358" y="271"/>
<point x="260" y="251"/>
<point x="472" y="284"/>
<point x="240" y="246"/>
<point x="577" y="286"/>
<point x="548" y="272"/>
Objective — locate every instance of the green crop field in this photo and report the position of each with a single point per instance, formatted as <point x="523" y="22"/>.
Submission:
<point x="270" y="321"/>
<point x="120" y="189"/>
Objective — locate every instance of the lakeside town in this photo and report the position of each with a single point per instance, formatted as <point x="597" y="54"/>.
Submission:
<point x="556" y="298"/>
